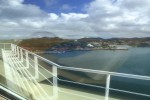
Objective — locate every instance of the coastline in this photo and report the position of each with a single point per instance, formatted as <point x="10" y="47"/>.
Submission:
<point x="42" y="52"/>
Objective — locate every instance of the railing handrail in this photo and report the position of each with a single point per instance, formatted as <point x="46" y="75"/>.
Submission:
<point x="11" y="92"/>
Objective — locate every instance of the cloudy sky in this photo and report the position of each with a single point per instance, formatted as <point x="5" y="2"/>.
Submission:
<point x="74" y="18"/>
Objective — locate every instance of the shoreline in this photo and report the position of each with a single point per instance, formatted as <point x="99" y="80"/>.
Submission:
<point x="51" y="52"/>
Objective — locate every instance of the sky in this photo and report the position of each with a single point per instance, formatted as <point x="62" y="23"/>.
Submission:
<point x="74" y="18"/>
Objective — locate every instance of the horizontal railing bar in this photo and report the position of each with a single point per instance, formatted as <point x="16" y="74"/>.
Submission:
<point x="106" y="73"/>
<point x="129" y="92"/>
<point x="81" y="83"/>
<point x="147" y="95"/>
<point x="21" y="79"/>
<point x="91" y="70"/>
<point x="15" y="66"/>
<point x="72" y="81"/>
<point x="20" y="82"/>
<point x="41" y="74"/>
<point x="39" y="71"/>
<point x="33" y="81"/>
<point x="12" y="93"/>
<point x="40" y="66"/>
<point x="41" y="58"/>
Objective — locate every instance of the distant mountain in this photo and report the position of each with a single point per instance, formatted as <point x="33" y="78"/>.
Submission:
<point x="40" y="44"/>
<point x="115" y="39"/>
<point x="90" y="39"/>
<point x="44" y="43"/>
<point x="133" y="39"/>
<point x="40" y="34"/>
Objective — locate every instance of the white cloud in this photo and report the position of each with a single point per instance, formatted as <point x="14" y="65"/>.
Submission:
<point x="73" y="16"/>
<point x="104" y="18"/>
<point x="11" y="2"/>
<point x="126" y="16"/>
<point x="53" y="16"/>
<point x="32" y="23"/>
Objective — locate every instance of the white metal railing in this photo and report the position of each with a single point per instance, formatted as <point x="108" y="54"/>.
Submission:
<point x="6" y="46"/>
<point x="23" y="56"/>
<point x="8" y="91"/>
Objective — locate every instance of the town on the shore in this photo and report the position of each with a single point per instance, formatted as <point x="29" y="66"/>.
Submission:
<point x="59" y="45"/>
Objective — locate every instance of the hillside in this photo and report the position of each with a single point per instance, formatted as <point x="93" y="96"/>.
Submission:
<point x="40" y="44"/>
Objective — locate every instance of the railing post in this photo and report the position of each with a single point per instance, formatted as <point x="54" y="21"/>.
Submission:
<point x="36" y="67"/>
<point x="21" y="54"/>
<point x="15" y="49"/>
<point x="27" y="59"/>
<point x="107" y="87"/>
<point x="55" y="82"/>
<point x="7" y="69"/>
<point x="12" y="47"/>
<point x="18" y="52"/>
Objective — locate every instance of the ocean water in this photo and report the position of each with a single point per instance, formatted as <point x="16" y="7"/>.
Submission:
<point x="136" y="60"/>
<point x="132" y="61"/>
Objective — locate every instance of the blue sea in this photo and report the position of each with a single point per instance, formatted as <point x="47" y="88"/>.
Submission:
<point x="136" y="60"/>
